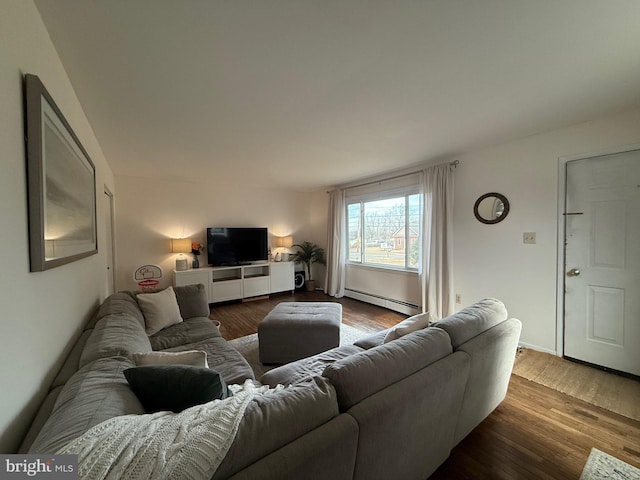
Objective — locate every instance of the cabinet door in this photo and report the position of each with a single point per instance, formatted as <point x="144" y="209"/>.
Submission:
<point x="282" y="277"/>
<point x="255" y="286"/>
<point x="222" y="291"/>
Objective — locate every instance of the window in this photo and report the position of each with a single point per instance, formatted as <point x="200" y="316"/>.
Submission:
<point x="385" y="231"/>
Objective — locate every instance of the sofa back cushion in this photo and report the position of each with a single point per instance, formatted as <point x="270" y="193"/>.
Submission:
<point x="97" y="392"/>
<point x="115" y="335"/>
<point x="121" y="302"/>
<point x="473" y="320"/>
<point x="72" y="362"/>
<point x="362" y="374"/>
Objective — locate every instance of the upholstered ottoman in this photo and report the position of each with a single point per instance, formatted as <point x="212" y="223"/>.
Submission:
<point x="295" y="330"/>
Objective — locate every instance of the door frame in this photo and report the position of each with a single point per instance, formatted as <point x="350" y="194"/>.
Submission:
<point x="562" y="192"/>
<point x="111" y="207"/>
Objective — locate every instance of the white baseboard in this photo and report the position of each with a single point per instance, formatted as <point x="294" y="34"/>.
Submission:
<point x="391" y="304"/>
<point x="537" y="348"/>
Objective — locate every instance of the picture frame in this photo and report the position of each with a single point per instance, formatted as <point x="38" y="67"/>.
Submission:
<point x="61" y="187"/>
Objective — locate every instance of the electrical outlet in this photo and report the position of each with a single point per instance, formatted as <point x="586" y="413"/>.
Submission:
<point x="529" y="237"/>
<point x="458" y="299"/>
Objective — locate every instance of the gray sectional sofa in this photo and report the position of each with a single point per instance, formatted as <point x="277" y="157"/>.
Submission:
<point x="364" y="411"/>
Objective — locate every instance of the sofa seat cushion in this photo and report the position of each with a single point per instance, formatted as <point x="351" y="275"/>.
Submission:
<point x="274" y="420"/>
<point x="97" y="392"/>
<point x="192" y="330"/>
<point x="222" y="358"/>
<point x="118" y="334"/>
<point x="362" y="374"/>
<point x="306" y="368"/>
<point x="473" y="320"/>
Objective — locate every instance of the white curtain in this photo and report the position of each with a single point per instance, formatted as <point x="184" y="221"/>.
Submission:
<point x="336" y="245"/>
<point x="436" y="262"/>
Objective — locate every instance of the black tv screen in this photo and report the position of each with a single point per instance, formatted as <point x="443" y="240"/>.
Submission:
<point x="236" y="245"/>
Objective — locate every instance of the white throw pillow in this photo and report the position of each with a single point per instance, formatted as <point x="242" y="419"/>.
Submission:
<point x="160" y="310"/>
<point x="408" y="325"/>
<point x="195" y="358"/>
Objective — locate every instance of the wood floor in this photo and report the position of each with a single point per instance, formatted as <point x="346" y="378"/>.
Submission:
<point x="536" y="433"/>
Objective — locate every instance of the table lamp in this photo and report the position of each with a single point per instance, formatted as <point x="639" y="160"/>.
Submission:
<point x="285" y="242"/>
<point x="181" y="246"/>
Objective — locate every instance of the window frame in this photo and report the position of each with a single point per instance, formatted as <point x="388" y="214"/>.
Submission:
<point x="405" y="193"/>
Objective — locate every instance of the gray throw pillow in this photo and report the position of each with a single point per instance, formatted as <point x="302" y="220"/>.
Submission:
<point x="192" y="300"/>
<point x="175" y="387"/>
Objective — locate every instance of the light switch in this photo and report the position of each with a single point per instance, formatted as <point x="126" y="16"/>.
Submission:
<point x="529" y="237"/>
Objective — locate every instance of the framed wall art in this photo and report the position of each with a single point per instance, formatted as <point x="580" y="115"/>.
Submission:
<point x="60" y="182"/>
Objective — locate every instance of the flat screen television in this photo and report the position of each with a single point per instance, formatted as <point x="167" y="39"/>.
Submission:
<point x="236" y="245"/>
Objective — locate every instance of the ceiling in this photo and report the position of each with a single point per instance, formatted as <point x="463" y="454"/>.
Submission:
<point x="305" y="94"/>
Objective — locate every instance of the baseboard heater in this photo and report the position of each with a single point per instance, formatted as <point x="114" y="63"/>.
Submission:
<point x="390" y="303"/>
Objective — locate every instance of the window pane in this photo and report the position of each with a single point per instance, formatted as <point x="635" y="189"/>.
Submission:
<point x="413" y="239"/>
<point x="354" y="232"/>
<point x="384" y="232"/>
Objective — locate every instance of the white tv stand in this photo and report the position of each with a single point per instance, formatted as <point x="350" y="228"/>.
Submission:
<point x="241" y="281"/>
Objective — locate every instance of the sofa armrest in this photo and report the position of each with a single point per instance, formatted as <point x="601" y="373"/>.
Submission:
<point x="274" y="420"/>
<point x="328" y="451"/>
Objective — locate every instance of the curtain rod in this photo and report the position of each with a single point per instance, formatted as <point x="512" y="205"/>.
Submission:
<point x="453" y="164"/>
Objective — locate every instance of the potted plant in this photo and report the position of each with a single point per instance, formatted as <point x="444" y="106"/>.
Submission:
<point x="309" y="253"/>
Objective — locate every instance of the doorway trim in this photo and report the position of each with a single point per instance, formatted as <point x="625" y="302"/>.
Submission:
<point x="562" y="192"/>
<point x="112" y="240"/>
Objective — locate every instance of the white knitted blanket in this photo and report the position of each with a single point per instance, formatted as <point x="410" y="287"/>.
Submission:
<point x="186" y="445"/>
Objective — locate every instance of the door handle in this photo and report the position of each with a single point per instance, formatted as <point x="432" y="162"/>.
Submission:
<point x="574" y="272"/>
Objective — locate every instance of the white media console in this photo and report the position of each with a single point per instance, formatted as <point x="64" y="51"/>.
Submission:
<point x="238" y="282"/>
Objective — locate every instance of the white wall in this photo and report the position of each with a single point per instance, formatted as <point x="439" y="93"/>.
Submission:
<point x="40" y="313"/>
<point x="491" y="260"/>
<point x="150" y="212"/>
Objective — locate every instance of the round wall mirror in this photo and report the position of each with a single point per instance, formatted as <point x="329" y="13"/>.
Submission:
<point x="491" y="208"/>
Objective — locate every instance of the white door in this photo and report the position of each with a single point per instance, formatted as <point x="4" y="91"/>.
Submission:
<point x="602" y="261"/>
<point x="109" y="245"/>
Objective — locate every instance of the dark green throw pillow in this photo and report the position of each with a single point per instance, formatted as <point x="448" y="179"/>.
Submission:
<point x="175" y="387"/>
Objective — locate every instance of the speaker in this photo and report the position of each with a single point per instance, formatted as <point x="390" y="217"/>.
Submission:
<point x="298" y="279"/>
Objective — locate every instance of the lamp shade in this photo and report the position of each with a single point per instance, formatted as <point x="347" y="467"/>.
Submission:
<point x="286" y="242"/>
<point x="180" y="245"/>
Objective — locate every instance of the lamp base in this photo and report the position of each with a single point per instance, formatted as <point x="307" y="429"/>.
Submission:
<point x="182" y="264"/>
